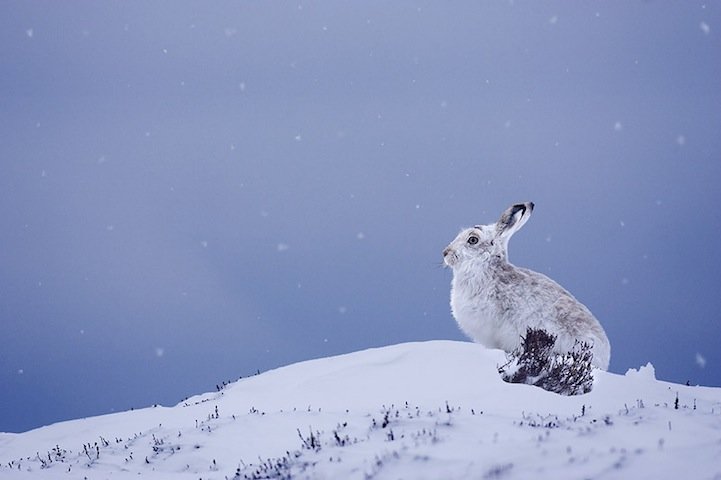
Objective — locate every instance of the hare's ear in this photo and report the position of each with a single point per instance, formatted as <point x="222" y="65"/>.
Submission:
<point x="513" y="219"/>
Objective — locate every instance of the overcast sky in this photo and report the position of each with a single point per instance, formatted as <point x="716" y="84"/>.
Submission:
<point x="193" y="192"/>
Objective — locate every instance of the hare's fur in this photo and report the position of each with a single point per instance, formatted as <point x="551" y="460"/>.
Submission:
<point x="494" y="302"/>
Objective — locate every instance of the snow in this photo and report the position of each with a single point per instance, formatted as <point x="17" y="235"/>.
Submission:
<point x="431" y="410"/>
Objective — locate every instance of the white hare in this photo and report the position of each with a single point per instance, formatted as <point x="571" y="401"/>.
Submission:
<point x="494" y="302"/>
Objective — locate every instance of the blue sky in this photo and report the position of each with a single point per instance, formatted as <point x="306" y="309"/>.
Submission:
<point x="192" y="193"/>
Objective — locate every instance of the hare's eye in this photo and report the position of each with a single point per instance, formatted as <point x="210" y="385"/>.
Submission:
<point x="472" y="240"/>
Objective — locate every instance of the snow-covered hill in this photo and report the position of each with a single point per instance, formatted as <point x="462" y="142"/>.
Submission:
<point x="433" y="410"/>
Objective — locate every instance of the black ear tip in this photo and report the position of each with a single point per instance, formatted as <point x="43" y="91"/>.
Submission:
<point x="523" y="206"/>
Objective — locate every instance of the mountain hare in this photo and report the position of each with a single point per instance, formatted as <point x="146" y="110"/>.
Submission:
<point x="494" y="302"/>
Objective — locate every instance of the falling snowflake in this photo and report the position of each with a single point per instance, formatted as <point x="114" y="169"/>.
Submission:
<point x="159" y="352"/>
<point x="282" y="247"/>
<point x="705" y="28"/>
<point x="700" y="360"/>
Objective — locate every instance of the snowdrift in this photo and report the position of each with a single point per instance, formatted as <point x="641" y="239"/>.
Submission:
<point x="432" y="410"/>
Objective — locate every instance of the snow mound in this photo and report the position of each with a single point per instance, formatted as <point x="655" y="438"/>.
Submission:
<point x="418" y="410"/>
<point x="646" y="372"/>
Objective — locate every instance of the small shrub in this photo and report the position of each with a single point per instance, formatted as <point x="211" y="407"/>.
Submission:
<point x="535" y="363"/>
<point x="311" y="442"/>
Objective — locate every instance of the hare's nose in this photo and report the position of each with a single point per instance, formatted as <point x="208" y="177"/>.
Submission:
<point x="446" y="251"/>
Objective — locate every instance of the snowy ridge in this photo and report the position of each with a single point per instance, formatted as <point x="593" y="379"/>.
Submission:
<point x="418" y="410"/>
